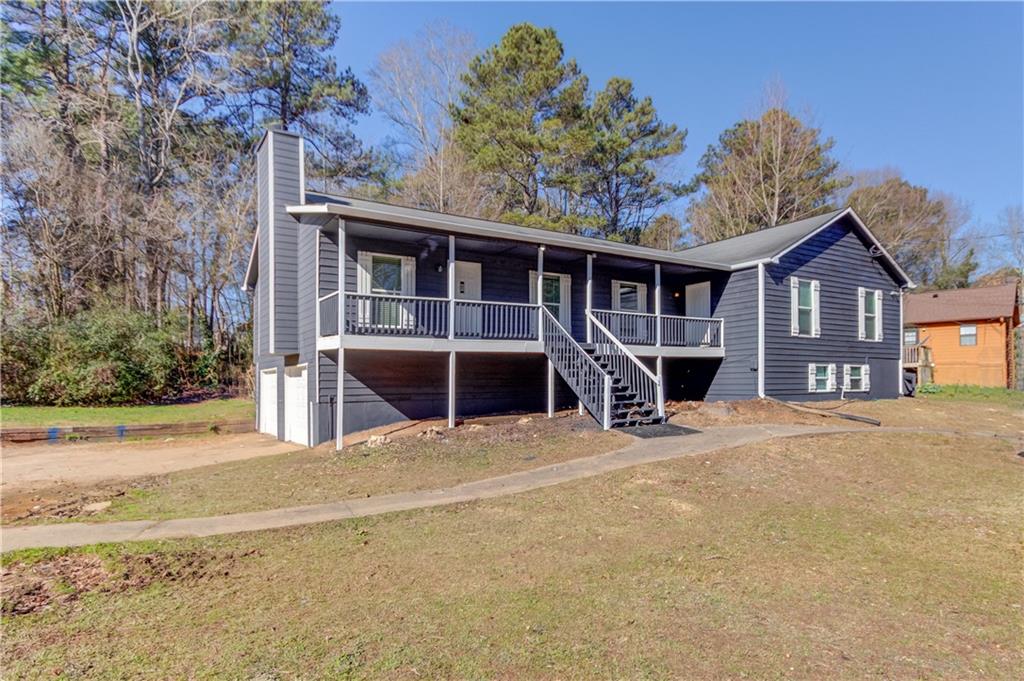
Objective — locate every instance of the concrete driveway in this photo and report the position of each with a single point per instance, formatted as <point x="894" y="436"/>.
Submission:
<point x="38" y="465"/>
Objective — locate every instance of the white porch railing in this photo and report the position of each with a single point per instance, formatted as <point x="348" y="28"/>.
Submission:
<point x="391" y="315"/>
<point x="634" y="328"/>
<point x="328" y="314"/>
<point x="692" y="332"/>
<point x="489" y="320"/>
<point x="624" y="364"/>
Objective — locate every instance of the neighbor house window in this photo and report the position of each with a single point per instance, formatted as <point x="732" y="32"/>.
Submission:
<point x="629" y="296"/>
<point x="968" y="334"/>
<point x="821" y="378"/>
<point x="869" y="307"/>
<point x="910" y="336"/>
<point x="856" y="378"/>
<point x="804" y="307"/>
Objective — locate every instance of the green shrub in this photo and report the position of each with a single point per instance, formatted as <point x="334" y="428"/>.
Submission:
<point x="108" y="355"/>
<point x="23" y="348"/>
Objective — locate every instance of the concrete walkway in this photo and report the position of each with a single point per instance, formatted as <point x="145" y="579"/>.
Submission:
<point x="637" y="453"/>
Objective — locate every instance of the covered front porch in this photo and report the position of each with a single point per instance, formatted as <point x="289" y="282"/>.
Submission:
<point x="413" y="289"/>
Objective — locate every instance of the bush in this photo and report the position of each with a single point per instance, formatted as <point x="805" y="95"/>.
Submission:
<point x="23" y="348"/>
<point x="108" y="355"/>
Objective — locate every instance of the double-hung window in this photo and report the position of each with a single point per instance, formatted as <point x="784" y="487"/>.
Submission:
<point x="821" y="378"/>
<point x="629" y="296"/>
<point x="910" y="336"/>
<point x="856" y="378"/>
<point x="805" y="307"/>
<point x="869" y="314"/>
<point x="968" y="334"/>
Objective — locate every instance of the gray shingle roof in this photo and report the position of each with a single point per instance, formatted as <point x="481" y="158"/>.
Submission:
<point x="760" y="245"/>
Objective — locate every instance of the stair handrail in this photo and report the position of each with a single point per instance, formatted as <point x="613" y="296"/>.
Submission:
<point x="594" y="389"/>
<point x="629" y="364"/>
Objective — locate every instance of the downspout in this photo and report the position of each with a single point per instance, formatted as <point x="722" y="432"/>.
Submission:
<point x="760" y="330"/>
<point x="899" y="361"/>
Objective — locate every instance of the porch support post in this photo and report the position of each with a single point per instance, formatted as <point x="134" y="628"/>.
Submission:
<point x="551" y="389"/>
<point x="657" y="307"/>
<point x="340" y="405"/>
<point x="590" y="301"/>
<point x="540" y="292"/>
<point x="451" y="389"/>
<point x="451" y="286"/>
<point x="661" y="385"/>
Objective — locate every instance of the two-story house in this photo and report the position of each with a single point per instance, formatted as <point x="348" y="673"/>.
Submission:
<point x="367" y="314"/>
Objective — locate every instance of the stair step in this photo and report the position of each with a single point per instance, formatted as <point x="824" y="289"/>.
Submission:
<point x="626" y="422"/>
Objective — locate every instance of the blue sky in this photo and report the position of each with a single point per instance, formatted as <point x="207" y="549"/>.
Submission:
<point x="934" y="89"/>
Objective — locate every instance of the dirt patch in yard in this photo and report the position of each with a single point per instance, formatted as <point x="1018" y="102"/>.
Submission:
<point x="742" y="412"/>
<point x="31" y="586"/>
<point x="435" y="457"/>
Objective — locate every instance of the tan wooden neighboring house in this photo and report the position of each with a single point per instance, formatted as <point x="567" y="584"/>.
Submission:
<point x="964" y="336"/>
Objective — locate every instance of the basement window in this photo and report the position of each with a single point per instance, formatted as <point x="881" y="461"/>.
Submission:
<point x="821" y="378"/>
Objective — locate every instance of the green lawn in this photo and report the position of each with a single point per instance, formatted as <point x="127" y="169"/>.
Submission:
<point x="974" y="393"/>
<point x="867" y="555"/>
<point x="234" y="409"/>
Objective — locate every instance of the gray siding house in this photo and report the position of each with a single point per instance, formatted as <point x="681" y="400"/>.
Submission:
<point x="366" y="314"/>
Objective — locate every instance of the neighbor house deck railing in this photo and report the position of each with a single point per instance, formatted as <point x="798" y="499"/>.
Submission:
<point x="392" y="315"/>
<point x="489" y="320"/>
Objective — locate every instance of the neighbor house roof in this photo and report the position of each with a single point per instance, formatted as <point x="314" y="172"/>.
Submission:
<point x="963" y="304"/>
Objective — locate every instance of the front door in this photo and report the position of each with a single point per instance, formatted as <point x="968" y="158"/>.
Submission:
<point x="698" y="304"/>
<point x="469" y="319"/>
<point x="268" y="402"/>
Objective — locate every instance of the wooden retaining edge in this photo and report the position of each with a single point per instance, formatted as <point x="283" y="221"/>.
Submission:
<point x="118" y="432"/>
<point x="822" y="412"/>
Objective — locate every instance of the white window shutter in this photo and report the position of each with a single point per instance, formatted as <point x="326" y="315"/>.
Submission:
<point x="794" y="303"/>
<point x="846" y="377"/>
<point x="831" y="378"/>
<point x="641" y="292"/>
<point x="811" y="376"/>
<point x="816" y="302"/>
<point x="865" y="372"/>
<point x="408" y="275"/>
<point x="533" y="287"/>
<point x="616" y="305"/>
<point x="878" y="315"/>
<point x="860" y="313"/>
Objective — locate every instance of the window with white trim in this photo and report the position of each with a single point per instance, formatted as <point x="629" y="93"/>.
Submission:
<point x="821" y="378"/>
<point x="910" y="336"/>
<point x="856" y="378"/>
<point x="629" y="296"/>
<point x="968" y="334"/>
<point x="805" y="307"/>
<point x="869" y="314"/>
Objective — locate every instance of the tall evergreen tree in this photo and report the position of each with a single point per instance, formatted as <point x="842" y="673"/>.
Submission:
<point x="285" y="75"/>
<point x="763" y="172"/>
<point x="620" y="171"/>
<point x="521" y="102"/>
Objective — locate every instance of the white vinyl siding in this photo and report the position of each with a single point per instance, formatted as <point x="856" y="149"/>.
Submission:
<point x="629" y="296"/>
<point x="821" y="378"/>
<point x="869" y="314"/>
<point x="856" y="378"/>
<point x="805" y="307"/>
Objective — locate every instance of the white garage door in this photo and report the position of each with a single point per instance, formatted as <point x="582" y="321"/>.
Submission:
<point x="296" y="411"/>
<point x="268" y="402"/>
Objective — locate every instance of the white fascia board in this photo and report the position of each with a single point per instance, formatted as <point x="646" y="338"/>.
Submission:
<point x="252" y="267"/>
<point x="498" y="230"/>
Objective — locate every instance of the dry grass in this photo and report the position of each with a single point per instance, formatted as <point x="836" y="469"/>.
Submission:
<point x="319" y="475"/>
<point x="848" y="556"/>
